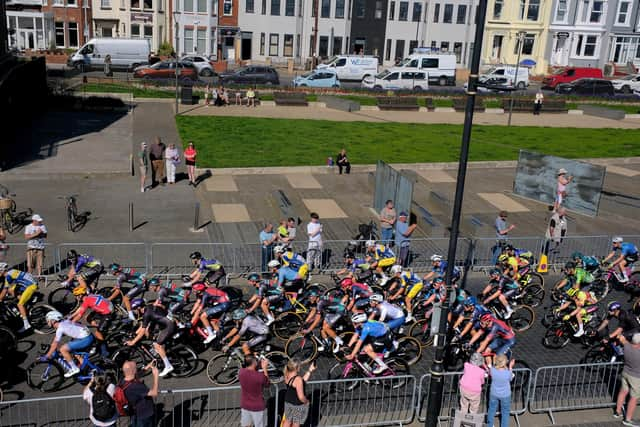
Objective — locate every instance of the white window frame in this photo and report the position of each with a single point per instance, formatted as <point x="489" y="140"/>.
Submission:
<point x="589" y="11"/>
<point x="223" y="8"/>
<point x="574" y="45"/>
<point x="565" y="20"/>
<point x="105" y="4"/>
<point x="627" y="13"/>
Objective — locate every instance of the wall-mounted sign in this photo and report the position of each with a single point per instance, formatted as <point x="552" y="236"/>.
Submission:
<point x="142" y="16"/>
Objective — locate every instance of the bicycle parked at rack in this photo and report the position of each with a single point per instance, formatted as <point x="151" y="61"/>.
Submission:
<point x="10" y="219"/>
<point x="75" y="220"/>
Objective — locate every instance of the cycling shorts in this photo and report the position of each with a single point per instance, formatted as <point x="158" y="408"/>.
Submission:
<point x="630" y="259"/>
<point x="509" y="292"/>
<point x="81" y="343"/>
<point x="302" y="272"/>
<point x="414" y="290"/>
<point x="102" y="321"/>
<point x="218" y="310"/>
<point x="27" y="294"/>
<point x="164" y="334"/>
<point x="257" y="339"/>
<point x="274" y="298"/>
<point x="332" y="319"/>
<point x="135" y="291"/>
<point x="91" y="274"/>
<point x="395" y="323"/>
<point x="501" y="345"/>
<point x="386" y="262"/>
<point x="380" y="344"/>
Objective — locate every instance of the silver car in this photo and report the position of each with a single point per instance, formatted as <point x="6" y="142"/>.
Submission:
<point x="202" y="64"/>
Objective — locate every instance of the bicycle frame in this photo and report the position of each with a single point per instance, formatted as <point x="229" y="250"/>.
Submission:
<point x="349" y="366"/>
<point x="86" y="363"/>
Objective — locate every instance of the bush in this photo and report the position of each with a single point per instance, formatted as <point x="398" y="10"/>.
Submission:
<point x="165" y="49"/>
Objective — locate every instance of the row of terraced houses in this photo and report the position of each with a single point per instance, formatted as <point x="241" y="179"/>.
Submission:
<point x="550" y="32"/>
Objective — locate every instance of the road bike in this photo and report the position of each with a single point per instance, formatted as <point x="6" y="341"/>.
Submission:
<point x="182" y="357"/>
<point x="224" y="369"/>
<point x="36" y="312"/>
<point x="63" y="299"/>
<point x="561" y="332"/>
<point x="75" y="220"/>
<point x="520" y="320"/>
<point x="397" y="369"/>
<point x="10" y="219"/>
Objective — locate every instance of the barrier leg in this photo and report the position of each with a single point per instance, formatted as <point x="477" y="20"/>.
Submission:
<point x="553" y="420"/>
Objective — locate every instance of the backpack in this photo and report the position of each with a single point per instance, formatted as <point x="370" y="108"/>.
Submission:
<point x="104" y="407"/>
<point x="121" y="401"/>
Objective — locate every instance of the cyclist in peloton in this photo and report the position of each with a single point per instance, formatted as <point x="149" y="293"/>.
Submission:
<point x="128" y="275"/>
<point x="20" y="285"/>
<point x="81" y="339"/>
<point x="589" y="263"/>
<point x="582" y="299"/>
<point x="354" y="292"/>
<point x="574" y="275"/>
<point x="266" y="294"/>
<point x="413" y="286"/>
<point x="327" y="310"/>
<point x="154" y="315"/>
<point x="508" y="265"/>
<point x="383" y="311"/>
<point x="354" y="266"/>
<point x="501" y="287"/>
<point x="170" y="296"/>
<point x="208" y="270"/>
<point x="84" y="268"/>
<point x="437" y="292"/>
<point x="498" y="336"/>
<point x="372" y="337"/>
<point x="379" y="257"/>
<point x="211" y="303"/>
<point x="628" y="255"/>
<point x="246" y="323"/>
<point x="477" y="310"/>
<point x="100" y="316"/>
<point x="439" y="269"/>
<point x="627" y="323"/>
<point x="293" y="268"/>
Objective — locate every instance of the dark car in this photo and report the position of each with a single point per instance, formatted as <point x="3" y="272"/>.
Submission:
<point x="253" y="74"/>
<point x="586" y="87"/>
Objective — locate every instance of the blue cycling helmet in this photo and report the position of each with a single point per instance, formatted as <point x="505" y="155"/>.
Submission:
<point x="471" y="300"/>
<point x="438" y="280"/>
<point x="576" y="255"/>
<point x="461" y="297"/>
<point x="254" y="277"/>
<point x="613" y="306"/>
<point x="154" y="281"/>
<point x="137" y="303"/>
<point x="494" y="272"/>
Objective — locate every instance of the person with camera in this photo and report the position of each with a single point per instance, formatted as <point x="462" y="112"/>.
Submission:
<point x="99" y="396"/>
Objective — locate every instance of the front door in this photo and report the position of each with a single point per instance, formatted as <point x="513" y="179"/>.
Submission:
<point x="560" y="56"/>
<point x="26" y="39"/>
<point x="246" y="46"/>
<point x="229" y="51"/>
<point x="496" y="51"/>
<point x="359" y="45"/>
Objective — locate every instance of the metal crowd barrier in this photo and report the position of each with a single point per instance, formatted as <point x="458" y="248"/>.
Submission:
<point x="134" y="255"/>
<point x="173" y="258"/>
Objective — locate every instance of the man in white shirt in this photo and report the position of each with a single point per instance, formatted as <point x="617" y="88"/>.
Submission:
<point x="314" y="251"/>
<point x="35" y="233"/>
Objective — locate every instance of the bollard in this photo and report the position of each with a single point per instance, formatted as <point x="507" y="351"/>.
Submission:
<point x="196" y="216"/>
<point x="130" y="217"/>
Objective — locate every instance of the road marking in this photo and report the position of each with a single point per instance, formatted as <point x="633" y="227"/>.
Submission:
<point x="325" y="208"/>
<point x="503" y="202"/>
<point x="436" y="176"/>
<point x="303" y="180"/>
<point x="220" y="183"/>
<point x="230" y="212"/>
<point x="622" y="171"/>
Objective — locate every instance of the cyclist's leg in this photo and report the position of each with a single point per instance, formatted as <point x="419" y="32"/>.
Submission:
<point x="374" y="351"/>
<point x="75" y="346"/>
<point x="162" y="338"/>
<point x="24" y="299"/>
<point x="395" y="324"/>
<point x="248" y="345"/>
<point x="413" y="292"/>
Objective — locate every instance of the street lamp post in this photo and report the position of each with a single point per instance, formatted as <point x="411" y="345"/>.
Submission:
<point x="521" y="35"/>
<point x="176" y="14"/>
<point x="437" y="368"/>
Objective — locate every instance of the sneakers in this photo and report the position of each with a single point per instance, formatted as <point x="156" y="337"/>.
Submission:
<point x="508" y="314"/>
<point x="270" y="320"/>
<point x="320" y="348"/>
<point x="409" y="318"/>
<point x="71" y="372"/>
<point x="380" y="369"/>
<point x="209" y="338"/>
<point x="166" y="371"/>
<point x="579" y="333"/>
<point x="395" y="344"/>
<point x="629" y="423"/>
<point x="617" y="416"/>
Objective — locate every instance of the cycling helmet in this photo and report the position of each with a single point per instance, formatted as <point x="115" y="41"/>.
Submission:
<point x="362" y="303"/>
<point x="313" y="292"/>
<point x="195" y="255"/>
<point x="569" y="265"/>
<point x="576" y="255"/>
<point x="72" y="255"/>
<point x="137" y="303"/>
<point x="470" y="300"/>
<point x="114" y="267"/>
<point x="279" y="249"/>
<point x="346" y="282"/>
<point x="3" y="267"/>
<point x="54" y="316"/>
<point x="503" y="257"/>
<point x="359" y="318"/>
<point x="436" y="257"/>
<point x="199" y="287"/>
<point x="438" y="281"/>
<point x="617" y="239"/>
<point x="376" y="298"/>
<point x="487" y="318"/>
<point x="396" y="269"/>
<point x="349" y="255"/>
<point x="154" y="282"/>
<point x="239" y="314"/>
<point x="461" y="296"/>
<point x="494" y="272"/>
<point x="509" y="248"/>
<point x="274" y="263"/>
<point x="370" y="243"/>
<point x="254" y="277"/>
<point x="613" y="306"/>
<point x="79" y="291"/>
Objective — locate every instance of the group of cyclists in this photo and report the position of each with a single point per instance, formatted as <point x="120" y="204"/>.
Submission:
<point x="376" y="297"/>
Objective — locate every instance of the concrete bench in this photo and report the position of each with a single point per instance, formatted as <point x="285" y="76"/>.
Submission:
<point x="526" y="105"/>
<point x="243" y="96"/>
<point x="339" y="103"/>
<point x="290" y="98"/>
<point x="407" y="103"/>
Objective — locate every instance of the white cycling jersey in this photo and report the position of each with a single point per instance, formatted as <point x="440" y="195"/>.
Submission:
<point x="389" y="311"/>
<point x="71" y="329"/>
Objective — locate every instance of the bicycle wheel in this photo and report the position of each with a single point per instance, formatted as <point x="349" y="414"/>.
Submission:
<point x="522" y="318"/>
<point x="223" y="369"/>
<point x="335" y="292"/>
<point x="63" y="300"/>
<point x="301" y="347"/>
<point x="130" y="353"/>
<point x="634" y="281"/>
<point x="344" y="371"/>
<point x="600" y="288"/>
<point x="556" y="337"/>
<point x="183" y="359"/>
<point x="8" y="341"/>
<point x="421" y="330"/>
<point x="397" y="367"/>
<point x="277" y="362"/>
<point x="37" y="317"/>
<point x="535" y="279"/>
<point x="45" y="376"/>
<point x="597" y="354"/>
<point x="106" y="293"/>
<point x="340" y="354"/>
<point x="533" y="295"/>
<point x="409" y="350"/>
<point x="70" y="218"/>
<point x="286" y="325"/>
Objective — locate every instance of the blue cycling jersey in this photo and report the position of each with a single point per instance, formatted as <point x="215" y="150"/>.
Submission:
<point x="441" y="270"/>
<point x="209" y="265"/>
<point x="627" y="249"/>
<point x="479" y="310"/>
<point x="85" y="261"/>
<point x="383" y="252"/>
<point x="293" y="260"/>
<point x="371" y="328"/>
<point x="356" y="264"/>
<point x="20" y="279"/>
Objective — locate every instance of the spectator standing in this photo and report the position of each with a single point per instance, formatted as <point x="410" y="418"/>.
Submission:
<point x="296" y="403"/>
<point x="500" y="392"/>
<point x="537" y="103"/>
<point x="36" y="234"/>
<point x="502" y="232"/>
<point x="207" y="91"/>
<point x="4" y="248"/>
<point x="107" y="66"/>
<point x="557" y="229"/>
<point x="314" y="250"/>
<point x="190" y="160"/>
<point x="471" y="384"/>
<point x="156" y="154"/>
<point x="403" y="241"/>
<point x="143" y="165"/>
<point x="291" y="228"/>
<point x="343" y="162"/>
<point x="99" y="396"/>
<point x="387" y="221"/>
<point x="139" y="396"/>
<point x="252" y="385"/>
<point x="561" y="188"/>
<point x="267" y="238"/>
<point x="630" y="379"/>
<point x="172" y="159"/>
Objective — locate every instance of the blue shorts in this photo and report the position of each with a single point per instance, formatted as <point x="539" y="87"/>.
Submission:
<point x="80" y="344"/>
<point x="501" y="346"/>
<point x="218" y="309"/>
<point x="395" y="323"/>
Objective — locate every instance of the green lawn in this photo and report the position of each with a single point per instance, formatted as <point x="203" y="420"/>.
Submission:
<point x="245" y="142"/>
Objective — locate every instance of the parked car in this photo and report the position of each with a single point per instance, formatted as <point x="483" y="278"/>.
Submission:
<point x="352" y="67"/>
<point x="202" y="64"/>
<point x="125" y="53"/>
<point x="252" y="74"/>
<point x="505" y="75"/>
<point x="586" y="87"/>
<point x="627" y="84"/>
<point x="325" y="77"/>
<point x="567" y="75"/>
<point x="395" y="79"/>
<point x="167" y="70"/>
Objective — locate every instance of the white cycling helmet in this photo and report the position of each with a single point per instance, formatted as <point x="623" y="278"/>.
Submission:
<point x="396" y="269"/>
<point x="279" y="249"/>
<point x="436" y="257"/>
<point x="359" y="318"/>
<point x="370" y="243"/>
<point x="617" y="239"/>
<point x="376" y="298"/>
<point x="54" y="316"/>
<point x="274" y="263"/>
<point x="3" y="267"/>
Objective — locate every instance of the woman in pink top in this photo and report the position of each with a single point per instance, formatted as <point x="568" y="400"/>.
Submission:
<point x="471" y="384"/>
<point x="561" y="189"/>
<point x="190" y="160"/>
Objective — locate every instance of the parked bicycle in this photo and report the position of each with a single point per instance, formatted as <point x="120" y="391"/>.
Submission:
<point x="75" y="220"/>
<point x="10" y="219"/>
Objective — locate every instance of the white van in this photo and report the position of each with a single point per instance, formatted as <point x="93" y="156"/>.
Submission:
<point x="507" y="74"/>
<point x="125" y="53"/>
<point x="440" y="67"/>
<point x="352" y="67"/>
<point x="394" y="80"/>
